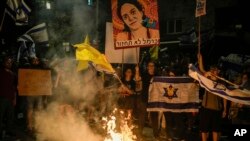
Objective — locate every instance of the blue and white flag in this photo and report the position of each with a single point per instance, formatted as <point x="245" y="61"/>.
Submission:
<point x="39" y="34"/>
<point x="18" y="10"/>
<point x="36" y="36"/>
<point x="236" y="95"/>
<point x="26" y="50"/>
<point x="173" y="94"/>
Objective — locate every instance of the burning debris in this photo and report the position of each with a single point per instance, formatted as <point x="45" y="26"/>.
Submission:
<point x="118" y="130"/>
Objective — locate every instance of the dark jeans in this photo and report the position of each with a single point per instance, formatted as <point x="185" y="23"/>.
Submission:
<point x="155" y="124"/>
<point x="141" y="113"/>
<point x="175" y="125"/>
<point x="6" y="113"/>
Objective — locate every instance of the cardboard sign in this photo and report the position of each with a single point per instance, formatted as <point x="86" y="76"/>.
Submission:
<point x="200" y="8"/>
<point x="32" y="82"/>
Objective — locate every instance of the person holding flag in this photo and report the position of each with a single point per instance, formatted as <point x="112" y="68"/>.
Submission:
<point x="240" y="113"/>
<point x="142" y="99"/>
<point x="212" y="106"/>
<point x="8" y="90"/>
<point x="126" y="100"/>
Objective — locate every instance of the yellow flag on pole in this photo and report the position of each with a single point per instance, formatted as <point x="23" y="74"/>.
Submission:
<point x="86" y="53"/>
<point x="82" y="65"/>
<point x="103" y="65"/>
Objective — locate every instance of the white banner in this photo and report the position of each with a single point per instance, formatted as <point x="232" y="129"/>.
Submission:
<point x="173" y="94"/>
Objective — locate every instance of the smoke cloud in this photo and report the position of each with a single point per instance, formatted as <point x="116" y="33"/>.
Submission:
<point x="79" y="98"/>
<point x="62" y="123"/>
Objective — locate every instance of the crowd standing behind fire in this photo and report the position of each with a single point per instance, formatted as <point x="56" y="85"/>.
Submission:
<point x="132" y="97"/>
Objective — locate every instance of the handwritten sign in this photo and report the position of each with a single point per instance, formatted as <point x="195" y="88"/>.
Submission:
<point x="200" y="8"/>
<point x="138" y="42"/>
<point x="32" y="82"/>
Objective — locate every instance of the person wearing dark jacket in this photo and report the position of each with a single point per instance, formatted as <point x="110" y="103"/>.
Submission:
<point x="7" y="96"/>
<point x="127" y="97"/>
<point x="213" y="107"/>
<point x="142" y="99"/>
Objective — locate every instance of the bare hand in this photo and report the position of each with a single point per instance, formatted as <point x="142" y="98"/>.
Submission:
<point x="208" y="74"/>
<point x="137" y="69"/>
<point x="125" y="91"/>
<point x="198" y="56"/>
<point x="224" y="114"/>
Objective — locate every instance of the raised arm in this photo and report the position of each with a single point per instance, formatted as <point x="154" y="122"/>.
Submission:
<point x="138" y="82"/>
<point x="224" y="108"/>
<point x="200" y="63"/>
<point x="137" y="73"/>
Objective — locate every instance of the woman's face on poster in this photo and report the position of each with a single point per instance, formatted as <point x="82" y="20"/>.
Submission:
<point x="131" y="16"/>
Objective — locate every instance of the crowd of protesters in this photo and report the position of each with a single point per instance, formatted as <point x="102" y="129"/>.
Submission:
<point x="214" y="110"/>
<point x="11" y="103"/>
<point x="132" y="98"/>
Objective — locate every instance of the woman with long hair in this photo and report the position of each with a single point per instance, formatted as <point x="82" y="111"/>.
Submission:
<point x="126" y="100"/>
<point x="132" y="14"/>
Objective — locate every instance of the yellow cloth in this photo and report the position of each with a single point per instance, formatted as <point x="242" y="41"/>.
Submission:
<point x="86" y="53"/>
<point x="153" y="51"/>
<point x="82" y="65"/>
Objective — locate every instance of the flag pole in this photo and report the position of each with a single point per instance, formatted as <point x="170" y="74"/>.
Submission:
<point x="118" y="78"/>
<point x="122" y="61"/>
<point x="2" y="20"/>
<point x="137" y="59"/>
<point x="231" y="83"/>
<point x="199" y="34"/>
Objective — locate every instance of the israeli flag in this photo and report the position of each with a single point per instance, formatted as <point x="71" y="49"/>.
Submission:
<point x="18" y="10"/>
<point x="26" y="50"/>
<point x="39" y="34"/>
<point x="234" y="94"/>
<point x="36" y="36"/>
<point x="173" y="94"/>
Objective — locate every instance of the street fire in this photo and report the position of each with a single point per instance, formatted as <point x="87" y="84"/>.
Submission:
<point x="118" y="130"/>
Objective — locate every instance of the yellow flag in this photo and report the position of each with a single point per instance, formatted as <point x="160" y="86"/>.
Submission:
<point x="103" y="64"/>
<point x="86" y="53"/>
<point x="85" y="46"/>
<point x="154" y="52"/>
<point x="82" y="65"/>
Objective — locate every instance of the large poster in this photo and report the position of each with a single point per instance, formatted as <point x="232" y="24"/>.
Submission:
<point x="118" y="56"/>
<point x="32" y="82"/>
<point x="135" y="23"/>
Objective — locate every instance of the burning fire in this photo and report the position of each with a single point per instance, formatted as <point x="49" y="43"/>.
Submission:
<point x="121" y="133"/>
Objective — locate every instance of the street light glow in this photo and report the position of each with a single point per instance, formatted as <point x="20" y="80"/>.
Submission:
<point x="48" y="6"/>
